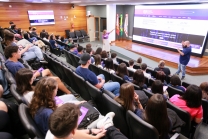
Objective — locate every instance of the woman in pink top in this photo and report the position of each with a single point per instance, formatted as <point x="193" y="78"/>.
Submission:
<point x="106" y="44"/>
<point x="191" y="102"/>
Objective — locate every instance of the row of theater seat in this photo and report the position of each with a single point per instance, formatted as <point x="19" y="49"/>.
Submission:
<point x="185" y="116"/>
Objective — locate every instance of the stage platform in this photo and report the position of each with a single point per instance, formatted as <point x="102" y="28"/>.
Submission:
<point x="196" y="65"/>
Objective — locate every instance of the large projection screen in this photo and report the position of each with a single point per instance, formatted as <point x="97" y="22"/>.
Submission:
<point x="169" y="25"/>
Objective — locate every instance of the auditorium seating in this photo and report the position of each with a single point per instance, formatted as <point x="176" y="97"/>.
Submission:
<point x="79" y="35"/>
<point x="173" y="91"/>
<point x="205" y="110"/>
<point x="28" y="122"/>
<point x="67" y="33"/>
<point x="19" y="98"/>
<point x="139" y="129"/>
<point x="73" y="36"/>
<point x="84" y="33"/>
<point x="185" y="116"/>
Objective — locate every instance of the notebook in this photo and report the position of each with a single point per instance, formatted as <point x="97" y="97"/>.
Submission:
<point x="83" y="111"/>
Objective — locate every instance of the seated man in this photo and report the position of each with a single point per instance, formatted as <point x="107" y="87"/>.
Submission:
<point x="97" y="81"/>
<point x="67" y="115"/>
<point x="80" y="51"/>
<point x="13" y="65"/>
<point x="161" y="67"/>
<point x="89" y="51"/>
<point x="131" y="64"/>
<point x="144" y="68"/>
<point x="73" y="49"/>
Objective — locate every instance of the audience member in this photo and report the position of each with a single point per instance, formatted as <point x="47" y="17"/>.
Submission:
<point x="67" y="116"/>
<point x="104" y="55"/>
<point x="43" y="102"/>
<point x="129" y="99"/>
<point x="43" y="31"/>
<point x="98" y="61"/>
<point x="139" y="61"/>
<point x="89" y="51"/>
<point x="191" y="101"/>
<point x="139" y="79"/>
<point x="113" y="56"/>
<point x="98" y="51"/>
<point x="58" y="37"/>
<point x="97" y="81"/>
<point x="20" y="32"/>
<point x="123" y="72"/>
<point x="88" y="46"/>
<point x="73" y="49"/>
<point x="34" y="31"/>
<point x="24" y="80"/>
<point x="131" y="64"/>
<point x="11" y="23"/>
<point x="109" y="66"/>
<point x="70" y="42"/>
<point x="30" y="29"/>
<point x="1" y="90"/>
<point x="54" y="44"/>
<point x="45" y="36"/>
<point x="160" y="75"/>
<point x="204" y="88"/>
<point x="14" y="28"/>
<point x="80" y="51"/>
<point x="28" y="51"/>
<point x="34" y="40"/>
<point x="176" y="83"/>
<point x="144" y="68"/>
<point x="63" y="39"/>
<point x="157" y="87"/>
<point x="161" y="67"/>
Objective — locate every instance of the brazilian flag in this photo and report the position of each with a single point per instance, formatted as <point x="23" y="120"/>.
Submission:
<point x="121" y="25"/>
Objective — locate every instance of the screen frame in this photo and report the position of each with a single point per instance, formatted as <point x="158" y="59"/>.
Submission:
<point x="44" y="24"/>
<point x="168" y="48"/>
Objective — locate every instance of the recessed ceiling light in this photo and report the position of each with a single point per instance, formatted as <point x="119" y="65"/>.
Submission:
<point x="75" y="1"/>
<point x="63" y="2"/>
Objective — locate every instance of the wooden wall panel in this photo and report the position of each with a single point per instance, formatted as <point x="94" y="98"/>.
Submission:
<point x="18" y="14"/>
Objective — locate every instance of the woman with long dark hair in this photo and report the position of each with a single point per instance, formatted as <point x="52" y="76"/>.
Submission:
<point x="98" y="61"/>
<point x="191" y="101"/>
<point x="157" y="87"/>
<point x="24" y="80"/>
<point x="109" y="65"/>
<point x="98" y="51"/>
<point x="123" y="72"/>
<point x="139" y="79"/>
<point x="156" y="114"/>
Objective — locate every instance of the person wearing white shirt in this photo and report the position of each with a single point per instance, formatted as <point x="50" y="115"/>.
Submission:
<point x="131" y="64"/>
<point x="113" y="56"/>
<point x="98" y="61"/>
<point x="109" y="66"/>
<point x="144" y="68"/>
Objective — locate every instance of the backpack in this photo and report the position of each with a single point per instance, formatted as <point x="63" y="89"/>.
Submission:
<point x="91" y="116"/>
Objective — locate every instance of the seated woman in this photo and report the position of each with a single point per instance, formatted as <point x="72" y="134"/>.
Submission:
<point x="24" y="80"/>
<point x="54" y="44"/>
<point x="157" y="87"/>
<point x="191" y="101"/>
<point x="34" y="40"/>
<point x="43" y="106"/>
<point x="155" y="112"/>
<point x="204" y="88"/>
<point x="160" y="75"/>
<point x="109" y="66"/>
<point x="45" y="36"/>
<point x="98" y="61"/>
<point x="104" y="55"/>
<point x="123" y="72"/>
<point x="139" y="79"/>
<point x="27" y="51"/>
<point x="175" y="82"/>
<point x="69" y="41"/>
<point x="98" y="51"/>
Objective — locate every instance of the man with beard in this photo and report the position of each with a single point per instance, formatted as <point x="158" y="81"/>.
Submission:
<point x="184" y="58"/>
